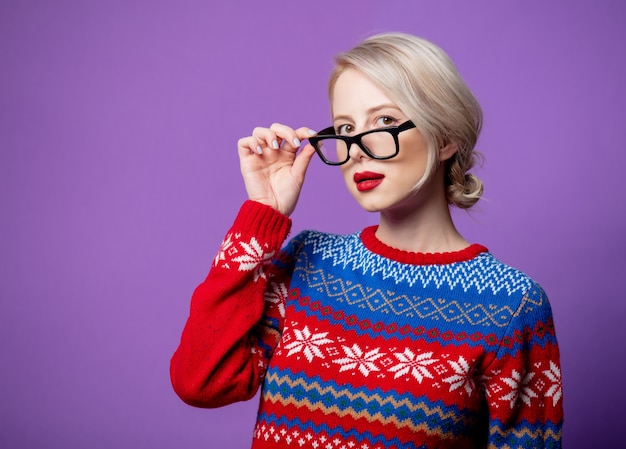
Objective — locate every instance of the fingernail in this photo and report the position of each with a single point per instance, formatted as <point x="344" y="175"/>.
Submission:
<point x="275" y="144"/>
<point x="259" y="149"/>
<point x="296" y="142"/>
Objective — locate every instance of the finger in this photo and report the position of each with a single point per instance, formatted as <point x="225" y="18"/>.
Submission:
<point x="304" y="133"/>
<point x="302" y="161"/>
<point x="288" y="138"/>
<point x="267" y="138"/>
<point x="248" y="145"/>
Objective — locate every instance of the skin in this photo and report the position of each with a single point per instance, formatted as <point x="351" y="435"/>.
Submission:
<point x="272" y="170"/>
<point x="410" y="220"/>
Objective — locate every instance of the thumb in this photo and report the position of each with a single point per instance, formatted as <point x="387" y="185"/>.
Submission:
<point x="302" y="161"/>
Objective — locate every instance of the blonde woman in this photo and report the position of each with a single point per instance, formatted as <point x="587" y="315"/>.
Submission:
<point x="401" y="335"/>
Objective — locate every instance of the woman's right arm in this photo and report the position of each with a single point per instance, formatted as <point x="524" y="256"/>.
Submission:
<point x="236" y="314"/>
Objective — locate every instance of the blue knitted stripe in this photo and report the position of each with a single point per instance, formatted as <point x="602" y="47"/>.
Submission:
<point x="526" y="434"/>
<point x="386" y="328"/>
<point x="484" y="273"/>
<point x="287" y="387"/>
<point x="383" y="326"/>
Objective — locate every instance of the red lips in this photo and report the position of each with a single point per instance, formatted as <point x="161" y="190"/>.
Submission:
<point x="367" y="180"/>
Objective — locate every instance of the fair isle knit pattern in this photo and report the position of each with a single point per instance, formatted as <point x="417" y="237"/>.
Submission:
<point x="358" y="345"/>
<point x="347" y="252"/>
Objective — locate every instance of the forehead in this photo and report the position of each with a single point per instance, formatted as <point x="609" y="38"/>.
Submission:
<point x="354" y="93"/>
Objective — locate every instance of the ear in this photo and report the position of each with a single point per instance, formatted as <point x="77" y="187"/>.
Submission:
<point x="447" y="152"/>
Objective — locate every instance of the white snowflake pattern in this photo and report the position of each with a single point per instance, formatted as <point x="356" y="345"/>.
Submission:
<point x="556" y="389"/>
<point x="277" y="295"/>
<point x="308" y="343"/>
<point x="224" y="247"/>
<point x="521" y="390"/>
<point x="463" y="377"/>
<point x="356" y="358"/>
<point x="254" y="258"/>
<point x="413" y="363"/>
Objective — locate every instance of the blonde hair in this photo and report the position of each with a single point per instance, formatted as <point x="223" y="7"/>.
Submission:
<point x="423" y="81"/>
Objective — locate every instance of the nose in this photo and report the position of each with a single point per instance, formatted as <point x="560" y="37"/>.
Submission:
<point x="356" y="152"/>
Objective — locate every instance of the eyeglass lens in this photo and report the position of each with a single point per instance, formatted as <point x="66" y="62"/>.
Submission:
<point x="380" y="144"/>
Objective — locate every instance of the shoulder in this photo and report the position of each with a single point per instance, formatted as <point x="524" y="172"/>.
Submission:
<point x="323" y="243"/>
<point x="524" y="293"/>
<point x="489" y="273"/>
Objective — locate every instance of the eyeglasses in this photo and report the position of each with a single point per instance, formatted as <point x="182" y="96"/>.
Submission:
<point x="381" y="143"/>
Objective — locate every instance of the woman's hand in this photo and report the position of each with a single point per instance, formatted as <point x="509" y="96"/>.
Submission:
<point x="272" y="172"/>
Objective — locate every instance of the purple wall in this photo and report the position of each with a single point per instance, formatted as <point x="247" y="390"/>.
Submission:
<point x="119" y="177"/>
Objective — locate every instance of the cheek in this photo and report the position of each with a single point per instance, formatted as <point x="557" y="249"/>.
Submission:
<point x="412" y="166"/>
<point x="417" y="152"/>
<point x="345" y="173"/>
<point x="414" y="154"/>
<point x="415" y="144"/>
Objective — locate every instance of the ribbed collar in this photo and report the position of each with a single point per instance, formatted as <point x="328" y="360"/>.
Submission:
<point x="371" y="242"/>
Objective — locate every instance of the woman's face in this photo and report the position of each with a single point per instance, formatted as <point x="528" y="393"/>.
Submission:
<point x="358" y="105"/>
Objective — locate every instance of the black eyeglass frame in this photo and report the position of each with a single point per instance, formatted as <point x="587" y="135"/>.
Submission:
<point x="329" y="133"/>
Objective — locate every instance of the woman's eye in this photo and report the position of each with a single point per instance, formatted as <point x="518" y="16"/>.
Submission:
<point x="385" y="121"/>
<point x="344" y="129"/>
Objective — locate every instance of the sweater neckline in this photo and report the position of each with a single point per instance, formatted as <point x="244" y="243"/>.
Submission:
<point x="371" y="242"/>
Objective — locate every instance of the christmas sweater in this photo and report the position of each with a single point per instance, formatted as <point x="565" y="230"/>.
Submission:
<point x="358" y="345"/>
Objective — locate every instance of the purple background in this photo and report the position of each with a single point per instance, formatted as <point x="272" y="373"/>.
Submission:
<point x="119" y="177"/>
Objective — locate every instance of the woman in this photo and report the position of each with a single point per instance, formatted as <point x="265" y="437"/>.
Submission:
<point x="403" y="335"/>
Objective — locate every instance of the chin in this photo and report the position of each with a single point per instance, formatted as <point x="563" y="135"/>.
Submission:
<point x="387" y="203"/>
<point x="371" y="209"/>
<point x="369" y="204"/>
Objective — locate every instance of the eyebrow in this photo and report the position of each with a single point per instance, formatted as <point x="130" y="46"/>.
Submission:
<point x="370" y="111"/>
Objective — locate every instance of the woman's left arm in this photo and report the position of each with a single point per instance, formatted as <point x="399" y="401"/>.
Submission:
<point x="523" y="382"/>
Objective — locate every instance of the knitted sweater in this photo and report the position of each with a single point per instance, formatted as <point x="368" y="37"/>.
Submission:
<point x="359" y="345"/>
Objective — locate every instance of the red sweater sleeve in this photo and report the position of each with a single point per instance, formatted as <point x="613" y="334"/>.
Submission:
<point x="523" y="383"/>
<point x="236" y="314"/>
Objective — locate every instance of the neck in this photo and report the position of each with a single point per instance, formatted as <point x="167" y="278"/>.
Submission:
<point x="424" y="225"/>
